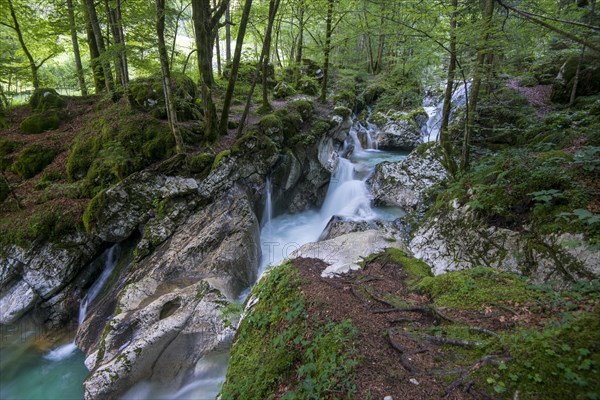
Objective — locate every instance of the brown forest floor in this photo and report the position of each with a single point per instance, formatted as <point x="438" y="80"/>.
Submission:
<point x="393" y="362"/>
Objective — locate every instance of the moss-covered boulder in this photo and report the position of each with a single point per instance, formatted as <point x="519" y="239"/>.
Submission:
<point x="305" y="107"/>
<point x="32" y="160"/>
<point x="45" y="99"/>
<point x="271" y="124"/>
<point x="307" y="85"/>
<point x="38" y="123"/>
<point x="200" y="163"/>
<point x="283" y="90"/>
<point x="146" y="94"/>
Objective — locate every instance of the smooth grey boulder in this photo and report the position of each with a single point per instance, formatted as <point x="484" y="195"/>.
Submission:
<point x="345" y="252"/>
<point x="29" y="276"/>
<point x="405" y="183"/>
<point x="168" y="302"/>
<point x="401" y="130"/>
<point x="453" y="238"/>
<point x="338" y="226"/>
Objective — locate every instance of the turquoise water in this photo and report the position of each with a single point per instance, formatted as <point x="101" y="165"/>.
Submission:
<point x="27" y="373"/>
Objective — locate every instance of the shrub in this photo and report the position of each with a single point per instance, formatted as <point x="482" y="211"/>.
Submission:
<point x="32" y="160"/>
<point x="38" y="123"/>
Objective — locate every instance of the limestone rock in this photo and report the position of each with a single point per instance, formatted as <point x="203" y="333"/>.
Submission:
<point x="455" y="239"/>
<point x="405" y="183"/>
<point x="401" y="130"/>
<point x="343" y="253"/>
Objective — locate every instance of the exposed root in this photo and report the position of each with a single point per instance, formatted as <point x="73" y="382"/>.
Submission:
<point x="404" y="353"/>
<point x="462" y="380"/>
<point x="451" y="341"/>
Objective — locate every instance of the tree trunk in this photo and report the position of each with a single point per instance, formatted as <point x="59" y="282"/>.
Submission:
<point x="205" y="24"/>
<point x="327" y="51"/>
<point x="273" y="6"/>
<point x="228" y="35"/>
<point x="166" y="75"/>
<point x="475" y="86"/>
<point x="444" y="140"/>
<point x="115" y="25"/>
<point x="235" y="66"/>
<point x="108" y="79"/>
<point x="76" y="53"/>
<point x="581" y="58"/>
<point x="300" y="33"/>
<point x="34" y="68"/>
<point x="97" y="71"/>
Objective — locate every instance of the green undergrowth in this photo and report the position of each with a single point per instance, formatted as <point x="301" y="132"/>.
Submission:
<point x="545" y="180"/>
<point x="279" y="349"/>
<point x="548" y="346"/>
<point x="476" y="287"/>
<point x="116" y="144"/>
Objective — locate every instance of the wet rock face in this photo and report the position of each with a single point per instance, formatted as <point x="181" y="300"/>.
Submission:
<point x="170" y="302"/>
<point x="29" y="277"/>
<point x="405" y="183"/>
<point x="455" y="239"/>
<point x="339" y="226"/>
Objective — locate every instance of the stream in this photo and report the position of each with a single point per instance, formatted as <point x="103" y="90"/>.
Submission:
<point x="29" y="371"/>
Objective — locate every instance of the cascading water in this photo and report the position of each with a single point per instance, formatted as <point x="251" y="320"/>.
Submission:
<point x="110" y="261"/>
<point x="435" y="108"/>
<point x="28" y="374"/>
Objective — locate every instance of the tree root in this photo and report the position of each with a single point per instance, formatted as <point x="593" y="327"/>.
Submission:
<point x="462" y="380"/>
<point x="450" y="341"/>
<point x="404" y="353"/>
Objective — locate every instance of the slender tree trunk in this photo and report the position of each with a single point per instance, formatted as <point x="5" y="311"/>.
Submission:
<point x="300" y="33"/>
<point x="76" y="53"/>
<point x="205" y="23"/>
<point x="218" y="44"/>
<point x="444" y="139"/>
<point x="34" y="67"/>
<point x="475" y="86"/>
<point x="327" y="51"/>
<point x="581" y="58"/>
<point x="108" y="79"/>
<point x="166" y="75"/>
<point x="97" y="71"/>
<point x="115" y="25"/>
<point x="228" y="34"/>
<point x="235" y="66"/>
<point x="273" y="7"/>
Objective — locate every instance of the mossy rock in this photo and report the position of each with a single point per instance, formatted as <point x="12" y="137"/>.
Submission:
<point x="46" y="99"/>
<point x="308" y="86"/>
<point x="38" y="123"/>
<point x="343" y="112"/>
<point x="200" y="162"/>
<point x="96" y="206"/>
<point x="283" y="90"/>
<point x="373" y="92"/>
<point x="8" y="147"/>
<point x="346" y="98"/>
<point x="4" y="190"/>
<point x="219" y="157"/>
<point x="32" y="160"/>
<point x="271" y="124"/>
<point x="80" y="159"/>
<point x="321" y="127"/>
<point x="305" y="107"/>
<point x="146" y="94"/>
<point x="291" y="121"/>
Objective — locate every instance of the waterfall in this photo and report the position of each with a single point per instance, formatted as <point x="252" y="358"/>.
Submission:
<point x="110" y="261"/>
<point x="268" y="211"/>
<point x="434" y="109"/>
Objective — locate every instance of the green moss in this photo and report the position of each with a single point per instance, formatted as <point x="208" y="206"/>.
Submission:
<point x="343" y="112"/>
<point x="80" y="159"/>
<point x="305" y="107"/>
<point x="8" y="147"/>
<point x="33" y="159"/>
<point x="560" y="361"/>
<point x="307" y="85"/>
<point x="283" y="90"/>
<point x="291" y="121"/>
<point x="275" y="345"/>
<point x="97" y="205"/>
<point x="38" y="123"/>
<point x="200" y="162"/>
<point x="46" y="99"/>
<point x="270" y="123"/>
<point x="346" y="98"/>
<point x="4" y="190"/>
<point x="473" y="288"/>
<point x="321" y="127"/>
<point x="219" y="157"/>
